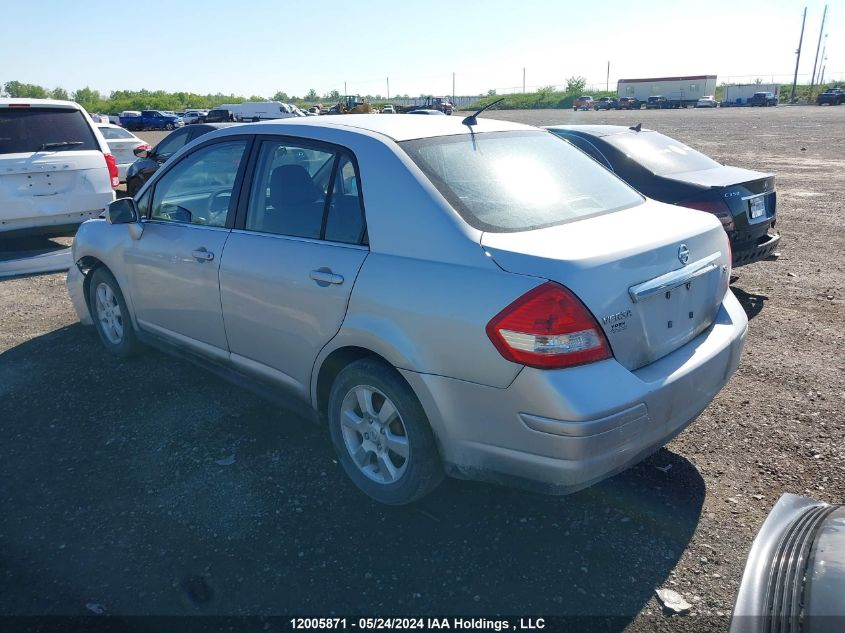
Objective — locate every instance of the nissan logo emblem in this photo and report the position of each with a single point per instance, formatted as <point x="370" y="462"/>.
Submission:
<point x="683" y="254"/>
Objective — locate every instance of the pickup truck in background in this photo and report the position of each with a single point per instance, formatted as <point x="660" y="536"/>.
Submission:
<point x="583" y="103"/>
<point x="151" y="120"/>
<point x="831" y="96"/>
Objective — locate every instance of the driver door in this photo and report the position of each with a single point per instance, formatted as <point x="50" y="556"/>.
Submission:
<point x="173" y="268"/>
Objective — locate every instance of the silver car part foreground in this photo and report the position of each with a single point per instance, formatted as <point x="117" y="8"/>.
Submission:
<point x="794" y="579"/>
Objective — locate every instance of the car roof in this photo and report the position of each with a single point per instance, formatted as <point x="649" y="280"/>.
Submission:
<point x="595" y="130"/>
<point x="398" y="128"/>
<point x="109" y="125"/>
<point x="50" y="103"/>
<point x="213" y="126"/>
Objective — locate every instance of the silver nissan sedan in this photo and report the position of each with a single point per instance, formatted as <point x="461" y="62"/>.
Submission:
<point x="470" y="298"/>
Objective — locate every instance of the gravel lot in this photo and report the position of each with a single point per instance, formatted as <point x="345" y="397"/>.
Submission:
<point x="150" y="487"/>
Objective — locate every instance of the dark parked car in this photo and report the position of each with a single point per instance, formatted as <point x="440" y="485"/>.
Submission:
<point x="763" y="99"/>
<point x="667" y="170"/>
<point x="629" y="103"/>
<point x="426" y="111"/>
<point x="794" y="579"/>
<point x="606" y="103"/>
<point x="657" y="102"/>
<point x="831" y="96"/>
<point x="150" y="159"/>
<point x="220" y="115"/>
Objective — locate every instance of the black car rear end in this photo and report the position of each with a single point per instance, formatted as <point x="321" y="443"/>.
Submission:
<point x="667" y="170"/>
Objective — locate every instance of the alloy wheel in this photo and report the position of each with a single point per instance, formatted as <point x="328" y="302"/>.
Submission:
<point x="374" y="434"/>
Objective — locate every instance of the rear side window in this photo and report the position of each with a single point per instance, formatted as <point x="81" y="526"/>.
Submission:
<point x="518" y="181"/>
<point x="302" y="191"/>
<point x="24" y="130"/>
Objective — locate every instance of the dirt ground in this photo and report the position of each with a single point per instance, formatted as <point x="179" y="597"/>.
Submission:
<point x="150" y="487"/>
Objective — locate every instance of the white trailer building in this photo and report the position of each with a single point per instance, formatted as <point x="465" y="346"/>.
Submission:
<point x="680" y="91"/>
<point x="740" y="94"/>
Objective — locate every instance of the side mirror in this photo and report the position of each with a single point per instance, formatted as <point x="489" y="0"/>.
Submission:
<point x="122" y="211"/>
<point x="142" y="151"/>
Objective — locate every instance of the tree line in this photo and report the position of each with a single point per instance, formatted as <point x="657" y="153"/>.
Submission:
<point x="120" y="100"/>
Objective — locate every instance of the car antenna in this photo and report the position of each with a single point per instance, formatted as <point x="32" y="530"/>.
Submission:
<point x="638" y="127"/>
<point x="470" y="120"/>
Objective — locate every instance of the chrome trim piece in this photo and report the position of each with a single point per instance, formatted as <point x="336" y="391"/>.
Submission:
<point x="673" y="279"/>
<point x="295" y="238"/>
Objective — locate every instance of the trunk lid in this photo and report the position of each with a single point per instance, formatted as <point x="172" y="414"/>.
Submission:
<point x="122" y="150"/>
<point x="750" y="195"/>
<point x="627" y="267"/>
<point x="723" y="176"/>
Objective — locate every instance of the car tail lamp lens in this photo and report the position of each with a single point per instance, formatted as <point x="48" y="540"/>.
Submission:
<point x="716" y="207"/>
<point x="548" y="328"/>
<point x="111" y="163"/>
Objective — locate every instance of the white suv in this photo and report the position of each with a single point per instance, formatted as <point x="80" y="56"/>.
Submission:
<point x="55" y="167"/>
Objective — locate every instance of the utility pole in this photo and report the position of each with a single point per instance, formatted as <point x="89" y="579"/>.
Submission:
<point x="388" y="88"/>
<point x="523" y="80"/>
<point x="798" y="58"/>
<point x="818" y="46"/>
<point x="344" y="88"/>
<point x="453" y="87"/>
<point x="607" y="82"/>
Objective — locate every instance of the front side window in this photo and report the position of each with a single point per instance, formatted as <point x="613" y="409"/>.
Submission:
<point x="198" y="189"/>
<point x="518" y="181"/>
<point x="302" y="191"/>
<point x="172" y="143"/>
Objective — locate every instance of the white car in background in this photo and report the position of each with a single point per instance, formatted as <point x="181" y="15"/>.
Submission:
<point x="122" y="144"/>
<point x="56" y="169"/>
<point x="388" y="109"/>
<point x="194" y="116"/>
<point x="706" y="102"/>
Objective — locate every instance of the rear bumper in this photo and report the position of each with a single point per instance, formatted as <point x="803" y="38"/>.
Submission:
<point x="563" y="430"/>
<point x="48" y="223"/>
<point x="764" y="247"/>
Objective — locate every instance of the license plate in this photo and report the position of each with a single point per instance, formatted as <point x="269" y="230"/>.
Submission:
<point x="758" y="207"/>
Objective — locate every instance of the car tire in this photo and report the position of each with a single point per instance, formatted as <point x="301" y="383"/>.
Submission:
<point x="363" y="393"/>
<point x="111" y="314"/>
<point x="168" y="126"/>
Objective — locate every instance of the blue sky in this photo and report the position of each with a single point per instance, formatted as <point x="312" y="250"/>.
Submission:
<point x="259" y="46"/>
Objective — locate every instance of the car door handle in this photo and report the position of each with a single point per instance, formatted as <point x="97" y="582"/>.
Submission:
<point x="325" y="276"/>
<point x="202" y="255"/>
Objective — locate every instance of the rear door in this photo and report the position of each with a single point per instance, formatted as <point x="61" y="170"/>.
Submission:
<point x="51" y="166"/>
<point x="174" y="267"/>
<point x="289" y="267"/>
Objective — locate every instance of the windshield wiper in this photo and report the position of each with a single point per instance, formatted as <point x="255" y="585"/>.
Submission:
<point x="58" y="146"/>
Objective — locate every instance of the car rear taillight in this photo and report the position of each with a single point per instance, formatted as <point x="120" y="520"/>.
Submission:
<point x="548" y="328"/>
<point x="111" y="163"/>
<point x="716" y="207"/>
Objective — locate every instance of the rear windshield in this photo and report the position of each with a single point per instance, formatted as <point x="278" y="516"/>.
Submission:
<point x="24" y="130"/>
<point x="111" y="133"/>
<point x="518" y="181"/>
<point x="660" y="154"/>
